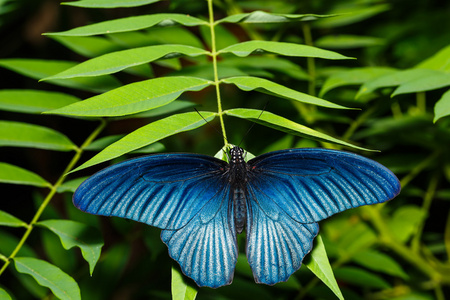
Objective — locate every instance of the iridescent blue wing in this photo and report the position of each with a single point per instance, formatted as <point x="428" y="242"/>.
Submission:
<point x="206" y="247"/>
<point x="290" y="190"/>
<point x="310" y="185"/>
<point x="185" y="194"/>
<point x="163" y="190"/>
<point x="276" y="243"/>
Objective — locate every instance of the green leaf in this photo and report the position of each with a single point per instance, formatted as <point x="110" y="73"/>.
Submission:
<point x="394" y="79"/>
<point x="265" y="86"/>
<point x="16" y="175"/>
<point x="360" y="278"/>
<point x="271" y="63"/>
<point x="279" y="123"/>
<point x="423" y="84"/>
<point x="318" y="263"/>
<point x="380" y="262"/>
<point x="120" y="60"/>
<point x="439" y="61"/>
<point x="109" y="3"/>
<point x="349" y="14"/>
<point x="180" y="289"/>
<point x="9" y="220"/>
<point x="135" y="97"/>
<point x="16" y="134"/>
<point x="354" y="76"/>
<point x="347" y="41"/>
<point x="88" y="46"/>
<point x="62" y="285"/>
<point x="70" y="185"/>
<point x="442" y="107"/>
<point x="103" y="142"/>
<point x="405" y="222"/>
<point x="265" y="17"/>
<point x="38" y="69"/>
<point x="167" y="109"/>
<point x="4" y="295"/>
<point x="149" y="134"/>
<point x="287" y="49"/>
<point x="131" y="24"/>
<point x="72" y="234"/>
<point x="33" y="101"/>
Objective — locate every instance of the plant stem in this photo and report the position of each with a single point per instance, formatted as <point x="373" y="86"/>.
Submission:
<point x="50" y="195"/>
<point x="216" y="73"/>
<point x="419" y="168"/>
<point x="429" y="195"/>
<point x="421" y="102"/>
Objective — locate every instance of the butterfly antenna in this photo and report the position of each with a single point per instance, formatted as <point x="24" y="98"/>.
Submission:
<point x="250" y="128"/>
<point x="218" y="131"/>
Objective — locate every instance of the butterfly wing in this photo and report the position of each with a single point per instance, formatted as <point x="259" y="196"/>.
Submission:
<point x="290" y="190"/>
<point x="276" y="243"/>
<point x="206" y="248"/>
<point x="187" y="195"/>
<point x="310" y="185"/>
<point x="163" y="190"/>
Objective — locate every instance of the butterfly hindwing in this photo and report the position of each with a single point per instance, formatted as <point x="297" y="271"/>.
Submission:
<point x="310" y="185"/>
<point x="276" y="243"/>
<point x="164" y="191"/>
<point x="206" y="248"/>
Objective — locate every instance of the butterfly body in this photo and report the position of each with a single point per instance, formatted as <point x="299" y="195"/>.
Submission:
<point x="202" y="203"/>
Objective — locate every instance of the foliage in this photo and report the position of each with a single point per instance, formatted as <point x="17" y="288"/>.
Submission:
<point x="148" y="63"/>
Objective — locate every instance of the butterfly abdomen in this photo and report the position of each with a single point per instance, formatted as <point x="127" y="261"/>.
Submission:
<point x="240" y="209"/>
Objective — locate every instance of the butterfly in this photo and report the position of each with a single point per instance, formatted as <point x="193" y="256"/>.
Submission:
<point x="201" y="203"/>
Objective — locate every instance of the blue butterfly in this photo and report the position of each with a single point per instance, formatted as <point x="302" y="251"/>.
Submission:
<point x="202" y="203"/>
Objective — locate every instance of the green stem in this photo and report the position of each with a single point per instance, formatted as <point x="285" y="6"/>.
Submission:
<point x="389" y="241"/>
<point x="50" y="195"/>
<point x="361" y="119"/>
<point x="429" y="195"/>
<point x="421" y="102"/>
<point x="216" y="73"/>
<point x="419" y="168"/>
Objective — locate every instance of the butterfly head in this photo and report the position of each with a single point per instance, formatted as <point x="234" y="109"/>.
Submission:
<point x="236" y="155"/>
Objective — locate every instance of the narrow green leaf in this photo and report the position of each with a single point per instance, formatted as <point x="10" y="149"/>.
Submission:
<point x="347" y="41"/>
<point x="349" y="14"/>
<point x="16" y="175"/>
<point x="16" y="134"/>
<point x="120" y="60"/>
<point x="361" y="278"/>
<point x="90" y="46"/>
<point x="4" y="295"/>
<point x="270" y="63"/>
<point x="272" y="88"/>
<point x="405" y="222"/>
<point x="135" y="97"/>
<point x="287" y="49"/>
<point x="319" y="264"/>
<point x="149" y="134"/>
<point x="33" y="101"/>
<point x="180" y="289"/>
<point x="354" y="76"/>
<point x="72" y="234"/>
<point x="103" y="142"/>
<point x="439" y="61"/>
<point x="9" y="220"/>
<point x="279" y="123"/>
<point x="442" y="107"/>
<point x="38" y="69"/>
<point x="380" y="262"/>
<point x="70" y="185"/>
<point x="424" y="84"/>
<point x="167" y="109"/>
<point x="131" y="24"/>
<point x="394" y="79"/>
<point x="265" y="17"/>
<point x="109" y="3"/>
<point x="62" y="285"/>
